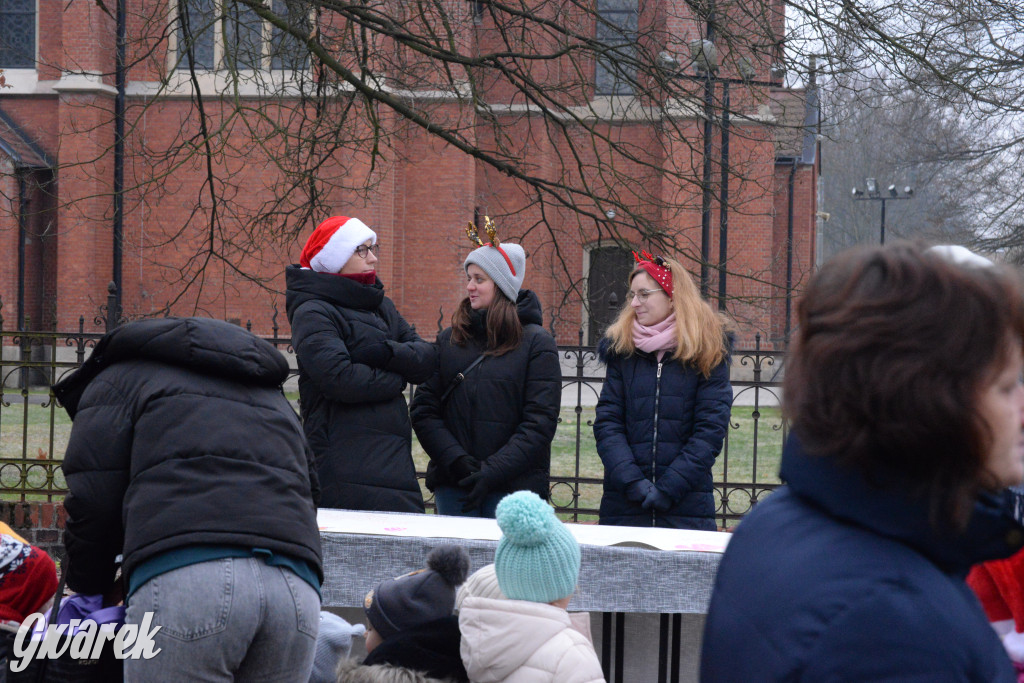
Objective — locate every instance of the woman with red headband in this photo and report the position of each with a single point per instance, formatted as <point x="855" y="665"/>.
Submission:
<point x="487" y="418"/>
<point x="665" y="404"/>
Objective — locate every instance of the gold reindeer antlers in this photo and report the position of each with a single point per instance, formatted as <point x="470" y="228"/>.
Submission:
<point x="472" y="234"/>
<point x="489" y="227"/>
<point x="492" y="231"/>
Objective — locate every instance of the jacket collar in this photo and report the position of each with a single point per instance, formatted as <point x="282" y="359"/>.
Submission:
<point x="885" y="506"/>
<point x="304" y="285"/>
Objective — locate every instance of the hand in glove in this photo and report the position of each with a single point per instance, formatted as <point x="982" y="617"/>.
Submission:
<point x="657" y="500"/>
<point x="376" y="355"/>
<point x="478" y="490"/>
<point x="638" y="490"/>
<point x="464" y="466"/>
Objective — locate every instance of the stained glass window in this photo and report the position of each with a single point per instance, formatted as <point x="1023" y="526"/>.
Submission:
<point x="247" y="42"/>
<point x="197" y="25"/>
<point x="243" y="37"/>
<point x="617" y="26"/>
<point x="17" y="34"/>
<point x="287" y="51"/>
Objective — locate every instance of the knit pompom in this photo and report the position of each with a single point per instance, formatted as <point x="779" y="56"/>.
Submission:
<point x="451" y="562"/>
<point x="525" y="519"/>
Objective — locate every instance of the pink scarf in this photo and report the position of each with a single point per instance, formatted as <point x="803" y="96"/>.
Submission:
<point x="659" y="338"/>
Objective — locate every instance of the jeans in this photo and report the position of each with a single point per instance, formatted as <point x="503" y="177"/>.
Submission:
<point x="449" y="502"/>
<point x="226" y="620"/>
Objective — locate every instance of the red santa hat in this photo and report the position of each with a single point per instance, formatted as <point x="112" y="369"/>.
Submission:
<point x="28" y="579"/>
<point x="333" y="242"/>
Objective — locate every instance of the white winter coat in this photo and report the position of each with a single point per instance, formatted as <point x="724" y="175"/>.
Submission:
<point x="524" y="642"/>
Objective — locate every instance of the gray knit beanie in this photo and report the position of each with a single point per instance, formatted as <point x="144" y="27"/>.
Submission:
<point x="333" y="644"/>
<point x="508" y="275"/>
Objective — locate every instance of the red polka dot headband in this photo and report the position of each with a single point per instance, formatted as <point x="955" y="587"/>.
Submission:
<point x="656" y="268"/>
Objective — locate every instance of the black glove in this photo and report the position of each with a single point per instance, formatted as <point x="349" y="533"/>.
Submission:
<point x="638" y="490"/>
<point x="657" y="500"/>
<point x="376" y="354"/>
<point x="478" y="490"/>
<point x="464" y="466"/>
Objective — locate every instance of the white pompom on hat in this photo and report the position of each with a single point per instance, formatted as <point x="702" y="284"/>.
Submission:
<point x="333" y="242"/>
<point x="961" y="256"/>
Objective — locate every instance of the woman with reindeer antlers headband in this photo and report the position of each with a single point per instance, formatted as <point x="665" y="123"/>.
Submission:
<point x="487" y="417"/>
<point x="666" y="401"/>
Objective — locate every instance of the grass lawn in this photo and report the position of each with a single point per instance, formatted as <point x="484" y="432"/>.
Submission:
<point x="29" y="434"/>
<point x="31" y="447"/>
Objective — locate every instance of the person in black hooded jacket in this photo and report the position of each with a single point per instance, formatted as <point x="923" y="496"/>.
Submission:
<point x="490" y="433"/>
<point x="186" y="457"/>
<point x="355" y="355"/>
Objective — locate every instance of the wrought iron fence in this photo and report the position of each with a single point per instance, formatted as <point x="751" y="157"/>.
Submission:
<point x="34" y="428"/>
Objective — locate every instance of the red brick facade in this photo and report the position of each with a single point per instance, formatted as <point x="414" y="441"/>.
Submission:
<point x="428" y="192"/>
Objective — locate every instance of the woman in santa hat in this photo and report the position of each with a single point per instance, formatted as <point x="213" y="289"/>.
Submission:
<point x="487" y="418"/>
<point x="355" y="354"/>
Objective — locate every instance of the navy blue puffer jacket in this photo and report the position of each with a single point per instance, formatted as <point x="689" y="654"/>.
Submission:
<point x="835" y="578"/>
<point x="643" y="403"/>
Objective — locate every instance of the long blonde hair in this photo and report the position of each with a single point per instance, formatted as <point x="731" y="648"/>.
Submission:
<point x="700" y="330"/>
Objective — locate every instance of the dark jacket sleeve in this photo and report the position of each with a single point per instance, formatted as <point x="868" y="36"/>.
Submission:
<point x="414" y="359"/>
<point x="610" y="429"/>
<point x="325" y="359"/>
<point x="711" y="418"/>
<point x="97" y="465"/>
<point x="427" y="416"/>
<point x="530" y="444"/>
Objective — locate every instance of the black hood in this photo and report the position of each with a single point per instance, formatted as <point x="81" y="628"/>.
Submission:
<point x="205" y="345"/>
<point x="529" y="309"/>
<point x="304" y="285"/>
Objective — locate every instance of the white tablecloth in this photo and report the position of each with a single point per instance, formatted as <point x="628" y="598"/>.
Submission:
<point x="360" y="549"/>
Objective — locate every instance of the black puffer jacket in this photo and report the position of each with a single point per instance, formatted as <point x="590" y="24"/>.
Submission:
<point x="182" y="437"/>
<point x="355" y="355"/>
<point x="503" y="414"/>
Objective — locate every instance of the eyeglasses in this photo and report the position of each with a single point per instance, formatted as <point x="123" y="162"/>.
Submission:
<point x="362" y="250"/>
<point x="642" y="294"/>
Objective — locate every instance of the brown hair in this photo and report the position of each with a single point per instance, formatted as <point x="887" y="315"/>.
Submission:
<point x="700" y="330"/>
<point x="504" y="330"/>
<point x="892" y="348"/>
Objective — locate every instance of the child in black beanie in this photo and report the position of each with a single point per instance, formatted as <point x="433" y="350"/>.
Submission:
<point x="411" y="633"/>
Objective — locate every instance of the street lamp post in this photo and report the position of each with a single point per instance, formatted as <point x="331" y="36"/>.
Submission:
<point x="704" y="55"/>
<point x="874" y="195"/>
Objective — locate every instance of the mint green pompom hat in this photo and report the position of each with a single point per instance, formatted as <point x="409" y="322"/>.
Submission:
<point x="538" y="559"/>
